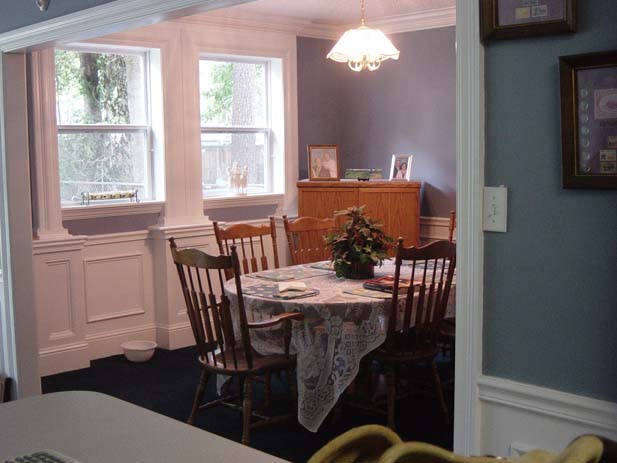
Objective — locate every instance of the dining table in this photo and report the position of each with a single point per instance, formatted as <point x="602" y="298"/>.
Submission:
<point x="342" y="323"/>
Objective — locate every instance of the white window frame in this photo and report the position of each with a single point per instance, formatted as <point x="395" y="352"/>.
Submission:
<point x="149" y="194"/>
<point x="266" y="130"/>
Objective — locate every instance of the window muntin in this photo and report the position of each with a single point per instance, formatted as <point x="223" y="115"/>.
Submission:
<point x="234" y="123"/>
<point x="103" y="123"/>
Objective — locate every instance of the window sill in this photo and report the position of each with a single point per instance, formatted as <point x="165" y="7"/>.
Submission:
<point x="111" y="210"/>
<point x="222" y="202"/>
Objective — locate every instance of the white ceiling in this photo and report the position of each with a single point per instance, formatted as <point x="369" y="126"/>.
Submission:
<point x="340" y="11"/>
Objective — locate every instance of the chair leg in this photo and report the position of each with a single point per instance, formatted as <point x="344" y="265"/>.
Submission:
<point x="391" y="395"/>
<point x="439" y="389"/>
<point x="247" y="409"/>
<point x="267" y="388"/>
<point x="292" y="384"/>
<point x="199" y="394"/>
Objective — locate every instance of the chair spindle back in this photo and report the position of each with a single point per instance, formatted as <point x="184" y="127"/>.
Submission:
<point x="432" y="271"/>
<point x="249" y="239"/>
<point x="202" y="277"/>
<point x="306" y="238"/>
<point x="452" y="226"/>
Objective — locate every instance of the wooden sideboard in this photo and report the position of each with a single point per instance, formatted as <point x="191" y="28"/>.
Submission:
<point x="395" y="204"/>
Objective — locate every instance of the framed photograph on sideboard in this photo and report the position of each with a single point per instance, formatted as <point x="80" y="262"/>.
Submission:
<point x="509" y="19"/>
<point x="589" y="120"/>
<point x="400" y="168"/>
<point x="323" y="162"/>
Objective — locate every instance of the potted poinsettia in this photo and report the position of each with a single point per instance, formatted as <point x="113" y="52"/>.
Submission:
<point x="358" y="245"/>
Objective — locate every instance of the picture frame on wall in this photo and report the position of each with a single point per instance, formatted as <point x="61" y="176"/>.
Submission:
<point x="509" y="19"/>
<point x="323" y="162"/>
<point x="589" y="120"/>
<point x="400" y="168"/>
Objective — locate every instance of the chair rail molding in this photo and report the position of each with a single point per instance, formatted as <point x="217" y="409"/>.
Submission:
<point x="470" y="239"/>
<point x="518" y="416"/>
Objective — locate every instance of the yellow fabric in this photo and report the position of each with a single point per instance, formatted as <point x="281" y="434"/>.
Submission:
<point x="365" y="444"/>
<point x="378" y="444"/>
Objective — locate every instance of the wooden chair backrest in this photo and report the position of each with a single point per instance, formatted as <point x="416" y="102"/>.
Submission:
<point x="202" y="279"/>
<point x="425" y="304"/>
<point x="452" y="226"/>
<point x="306" y="238"/>
<point x="249" y="239"/>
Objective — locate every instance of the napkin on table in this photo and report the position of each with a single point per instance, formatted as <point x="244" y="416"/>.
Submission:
<point x="292" y="286"/>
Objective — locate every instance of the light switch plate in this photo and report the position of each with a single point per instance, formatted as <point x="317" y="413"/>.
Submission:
<point x="495" y="209"/>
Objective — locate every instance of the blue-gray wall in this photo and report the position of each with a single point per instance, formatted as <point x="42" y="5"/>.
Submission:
<point x="19" y="13"/>
<point x="550" y="310"/>
<point x="406" y="106"/>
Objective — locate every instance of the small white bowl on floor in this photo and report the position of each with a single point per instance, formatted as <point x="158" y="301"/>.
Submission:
<point x="138" y="351"/>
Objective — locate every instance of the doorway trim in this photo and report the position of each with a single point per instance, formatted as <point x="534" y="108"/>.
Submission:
<point x="118" y="15"/>
<point x="470" y="237"/>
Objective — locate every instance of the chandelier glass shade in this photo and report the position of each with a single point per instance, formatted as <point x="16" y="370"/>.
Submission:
<point x="363" y="48"/>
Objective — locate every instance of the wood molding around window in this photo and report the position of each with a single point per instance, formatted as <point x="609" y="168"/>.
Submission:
<point x="180" y="45"/>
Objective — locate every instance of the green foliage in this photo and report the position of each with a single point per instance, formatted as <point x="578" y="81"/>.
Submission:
<point x="94" y="88"/>
<point x="359" y="240"/>
<point x="100" y="79"/>
<point x="219" y="97"/>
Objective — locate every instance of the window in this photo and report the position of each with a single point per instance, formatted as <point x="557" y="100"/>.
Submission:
<point x="102" y="112"/>
<point x="235" y="124"/>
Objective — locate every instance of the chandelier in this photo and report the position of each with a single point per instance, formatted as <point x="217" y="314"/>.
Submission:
<point x="363" y="48"/>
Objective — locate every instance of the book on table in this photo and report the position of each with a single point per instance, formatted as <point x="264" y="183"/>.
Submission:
<point x="386" y="284"/>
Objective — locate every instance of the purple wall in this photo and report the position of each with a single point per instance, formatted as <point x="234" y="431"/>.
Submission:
<point x="128" y="223"/>
<point x="405" y="107"/>
<point x="320" y="83"/>
<point x="105" y="225"/>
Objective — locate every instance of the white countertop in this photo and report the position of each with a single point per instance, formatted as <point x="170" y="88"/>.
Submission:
<point x="96" y="428"/>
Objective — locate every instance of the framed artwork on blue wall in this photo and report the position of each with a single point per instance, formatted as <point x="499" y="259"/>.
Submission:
<point x="589" y="120"/>
<point x="509" y="19"/>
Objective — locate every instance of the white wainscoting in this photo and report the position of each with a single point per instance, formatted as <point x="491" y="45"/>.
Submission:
<point x="518" y="417"/>
<point x="434" y="228"/>
<point x="95" y="292"/>
<point x="92" y="294"/>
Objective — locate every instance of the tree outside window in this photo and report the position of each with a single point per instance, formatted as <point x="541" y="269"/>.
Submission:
<point x="235" y="123"/>
<point x="103" y="123"/>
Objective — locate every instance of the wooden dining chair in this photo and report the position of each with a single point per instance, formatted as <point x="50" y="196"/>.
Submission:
<point x="452" y="227"/>
<point x="249" y="239"/>
<point x="412" y="333"/>
<point x="447" y="328"/>
<point x="306" y="238"/>
<point x="220" y="351"/>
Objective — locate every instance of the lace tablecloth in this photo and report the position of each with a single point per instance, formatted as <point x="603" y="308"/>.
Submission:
<point x="338" y="330"/>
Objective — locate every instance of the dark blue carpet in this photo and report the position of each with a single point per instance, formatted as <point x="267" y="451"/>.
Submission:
<point x="166" y="385"/>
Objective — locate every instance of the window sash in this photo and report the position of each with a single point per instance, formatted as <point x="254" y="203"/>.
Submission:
<point x="146" y="129"/>
<point x="148" y="193"/>
<point x="243" y="60"/>
<point x="119" y="50"/>
<point x="266" y="131"/>
<point x="124" y="128"/>
<point x="268" y="186"/>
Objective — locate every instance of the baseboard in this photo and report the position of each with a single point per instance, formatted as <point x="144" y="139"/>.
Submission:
<point x="63" y="358"/>
<point x="434" y="228"/>
<point x="174" y="336"/>
<point x="108" y="343"/>
<point x="78" y="355"/>
<point x="517" y="417"/>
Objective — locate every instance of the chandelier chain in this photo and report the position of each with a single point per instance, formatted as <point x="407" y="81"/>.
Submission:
<point x="362" y="10"/>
